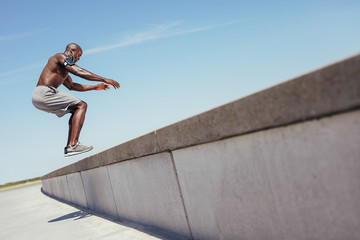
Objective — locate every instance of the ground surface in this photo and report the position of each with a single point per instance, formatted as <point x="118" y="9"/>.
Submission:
<point x="26" y="213"/>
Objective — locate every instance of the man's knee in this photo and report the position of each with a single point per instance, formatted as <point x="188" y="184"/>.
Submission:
<point x="82" y="105"/>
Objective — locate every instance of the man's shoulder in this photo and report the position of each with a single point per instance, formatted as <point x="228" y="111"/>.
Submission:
<point x="59" y="56"/>
<point x="56" y="61"/>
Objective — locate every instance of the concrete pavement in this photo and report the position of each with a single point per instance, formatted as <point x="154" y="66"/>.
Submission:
<point x="26" y="213"/>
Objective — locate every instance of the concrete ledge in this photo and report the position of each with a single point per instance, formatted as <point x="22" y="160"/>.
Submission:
<point x="332" y="89"/>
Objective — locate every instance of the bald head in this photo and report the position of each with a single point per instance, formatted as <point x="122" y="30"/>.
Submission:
<point x="73" y="51"/>
<point x="72" y="47"/>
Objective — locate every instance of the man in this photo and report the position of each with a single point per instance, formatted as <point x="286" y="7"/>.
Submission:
<point x="48" y="98"/>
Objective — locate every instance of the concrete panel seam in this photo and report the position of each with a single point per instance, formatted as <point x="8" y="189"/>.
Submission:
<point x="181" y="195"/>
<point x="157" y="142"/>
<point x="112" y="191"/>
<point x="86" y="197"/>
<point x="67" y="182"/>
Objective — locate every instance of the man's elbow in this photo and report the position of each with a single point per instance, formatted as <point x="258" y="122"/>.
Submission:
<point x="70" y="87"/>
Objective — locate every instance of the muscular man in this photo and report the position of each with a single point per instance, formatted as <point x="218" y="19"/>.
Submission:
<point x="48" y="98"/>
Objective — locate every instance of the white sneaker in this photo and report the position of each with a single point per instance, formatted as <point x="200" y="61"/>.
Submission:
<point x="77" y="149"/>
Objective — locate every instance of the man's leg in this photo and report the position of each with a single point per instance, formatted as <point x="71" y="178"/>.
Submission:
<point x="76" y="122"/>
<point x="70" y="129"/>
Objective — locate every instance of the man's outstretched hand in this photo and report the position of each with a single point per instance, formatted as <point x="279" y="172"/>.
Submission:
<point x="102" y="86"/>
<point x="111" y="82"/>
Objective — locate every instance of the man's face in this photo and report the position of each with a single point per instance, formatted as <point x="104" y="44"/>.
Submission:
<point x="76" y="54"/>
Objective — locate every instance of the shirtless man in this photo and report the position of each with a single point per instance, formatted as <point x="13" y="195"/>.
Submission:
<point x="48" y="98"/>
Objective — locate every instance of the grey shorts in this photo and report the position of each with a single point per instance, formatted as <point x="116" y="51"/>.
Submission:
<point x="51" y="100"/>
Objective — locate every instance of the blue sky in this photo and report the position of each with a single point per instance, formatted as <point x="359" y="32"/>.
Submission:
<point x="173" y="59"/>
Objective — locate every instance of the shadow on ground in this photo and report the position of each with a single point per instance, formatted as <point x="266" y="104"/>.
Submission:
<point x="76" y="215"/>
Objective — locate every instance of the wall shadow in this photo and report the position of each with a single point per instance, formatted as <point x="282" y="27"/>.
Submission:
<point x="85" y="212"/>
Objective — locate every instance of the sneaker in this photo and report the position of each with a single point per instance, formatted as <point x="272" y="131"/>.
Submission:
<point x="77" y="149"/>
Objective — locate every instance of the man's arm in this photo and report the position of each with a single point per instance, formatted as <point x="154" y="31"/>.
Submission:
<point x="69" y="84"/>
<point x="83" y="73"/>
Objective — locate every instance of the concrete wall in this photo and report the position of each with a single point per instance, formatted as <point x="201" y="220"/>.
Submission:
<point x="283" y="163"/>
